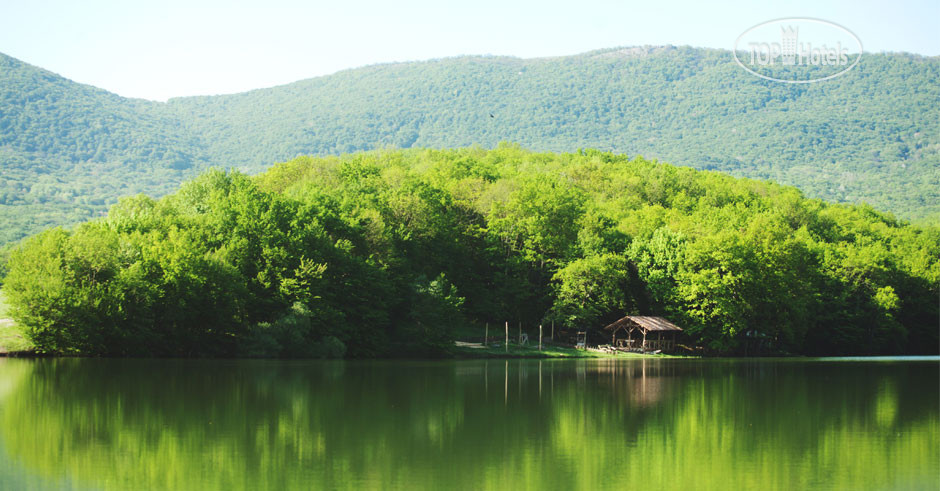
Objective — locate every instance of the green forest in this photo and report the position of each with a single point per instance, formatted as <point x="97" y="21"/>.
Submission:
<point x="386" y="253"/>
<point x="68" y="151"/>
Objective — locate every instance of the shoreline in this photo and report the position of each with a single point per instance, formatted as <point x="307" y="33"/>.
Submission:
<point x="461" y="350"/>
<point x="464" y="350"/>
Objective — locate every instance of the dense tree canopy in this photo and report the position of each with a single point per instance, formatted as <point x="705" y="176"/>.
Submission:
<point x="386" y="252"/>
<point x="68" y="151"/>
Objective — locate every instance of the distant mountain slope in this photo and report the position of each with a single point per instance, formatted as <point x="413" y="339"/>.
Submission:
<point x="871" y="135"/>
<point x="67" y="150"/>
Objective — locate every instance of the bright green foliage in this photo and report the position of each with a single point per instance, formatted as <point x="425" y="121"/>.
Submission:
<point x="388" y="252"/>
<point x="593" y="290"/>
<point x="540" y="220"/>
<point x="68" y="151"/>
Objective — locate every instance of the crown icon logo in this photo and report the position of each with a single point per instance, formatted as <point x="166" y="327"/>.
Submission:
<point x="788" y="43"/>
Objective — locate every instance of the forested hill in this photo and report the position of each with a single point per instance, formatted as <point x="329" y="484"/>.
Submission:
<point x="66" y="150"/>
<point x="69" y="150"/>
<point x="385" y="253"/>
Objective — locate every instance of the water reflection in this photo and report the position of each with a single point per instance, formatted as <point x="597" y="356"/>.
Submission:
<point x="121" y="424"/>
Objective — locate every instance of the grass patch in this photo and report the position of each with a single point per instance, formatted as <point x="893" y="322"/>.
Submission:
<point x="532" y="351"/>
<point x="3" y="305"/>
<point x="11" y="339"/>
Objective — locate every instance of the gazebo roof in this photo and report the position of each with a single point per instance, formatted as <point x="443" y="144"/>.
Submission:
<point x="644" y="322"/>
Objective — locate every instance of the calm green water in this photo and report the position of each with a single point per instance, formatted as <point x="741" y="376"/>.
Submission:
<point x="565" y="424"/>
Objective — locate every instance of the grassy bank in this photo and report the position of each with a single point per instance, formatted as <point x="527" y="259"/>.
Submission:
<point x="477" y="350"/>
<point x="527" y="352"/>
<point x="468" y="345"/>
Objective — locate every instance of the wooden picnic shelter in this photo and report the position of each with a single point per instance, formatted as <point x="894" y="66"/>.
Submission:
<point x="644" y="333"/>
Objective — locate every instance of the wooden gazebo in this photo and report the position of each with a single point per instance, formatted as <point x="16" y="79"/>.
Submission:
<point x="653" y="333"/>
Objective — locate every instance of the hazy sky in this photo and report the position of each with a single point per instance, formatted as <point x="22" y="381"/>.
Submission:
<point x="158" y="50"/>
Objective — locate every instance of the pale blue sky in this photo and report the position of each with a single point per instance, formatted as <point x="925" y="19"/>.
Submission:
<point x="157" y="50"/>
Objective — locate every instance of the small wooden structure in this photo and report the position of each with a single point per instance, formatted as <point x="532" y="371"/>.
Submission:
<point x="654" y="333"/>
<point x="581" y="342"/>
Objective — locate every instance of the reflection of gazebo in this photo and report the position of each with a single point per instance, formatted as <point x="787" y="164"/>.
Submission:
<point x="657" y="333"/>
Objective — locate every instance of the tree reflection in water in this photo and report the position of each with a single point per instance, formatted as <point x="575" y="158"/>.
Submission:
<point x="235" y="424"/>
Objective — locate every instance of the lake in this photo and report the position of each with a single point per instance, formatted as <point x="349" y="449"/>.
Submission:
<point x="473" y="424"/>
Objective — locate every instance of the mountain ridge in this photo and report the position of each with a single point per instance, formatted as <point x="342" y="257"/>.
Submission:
<point x="67" y="150"/>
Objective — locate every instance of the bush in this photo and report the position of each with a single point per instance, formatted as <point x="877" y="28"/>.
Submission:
<point x="291" y="336"/>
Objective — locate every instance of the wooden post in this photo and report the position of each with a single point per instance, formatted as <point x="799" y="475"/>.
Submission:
<point x="553" y="331"/>
<point x="519" y="368"/>
<point x="507" y="336"/>
<point x="540" y="380"/>
<point x="540" y="342"/>
<point x="486" y="333"/>
<point x="520" y="333"/>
